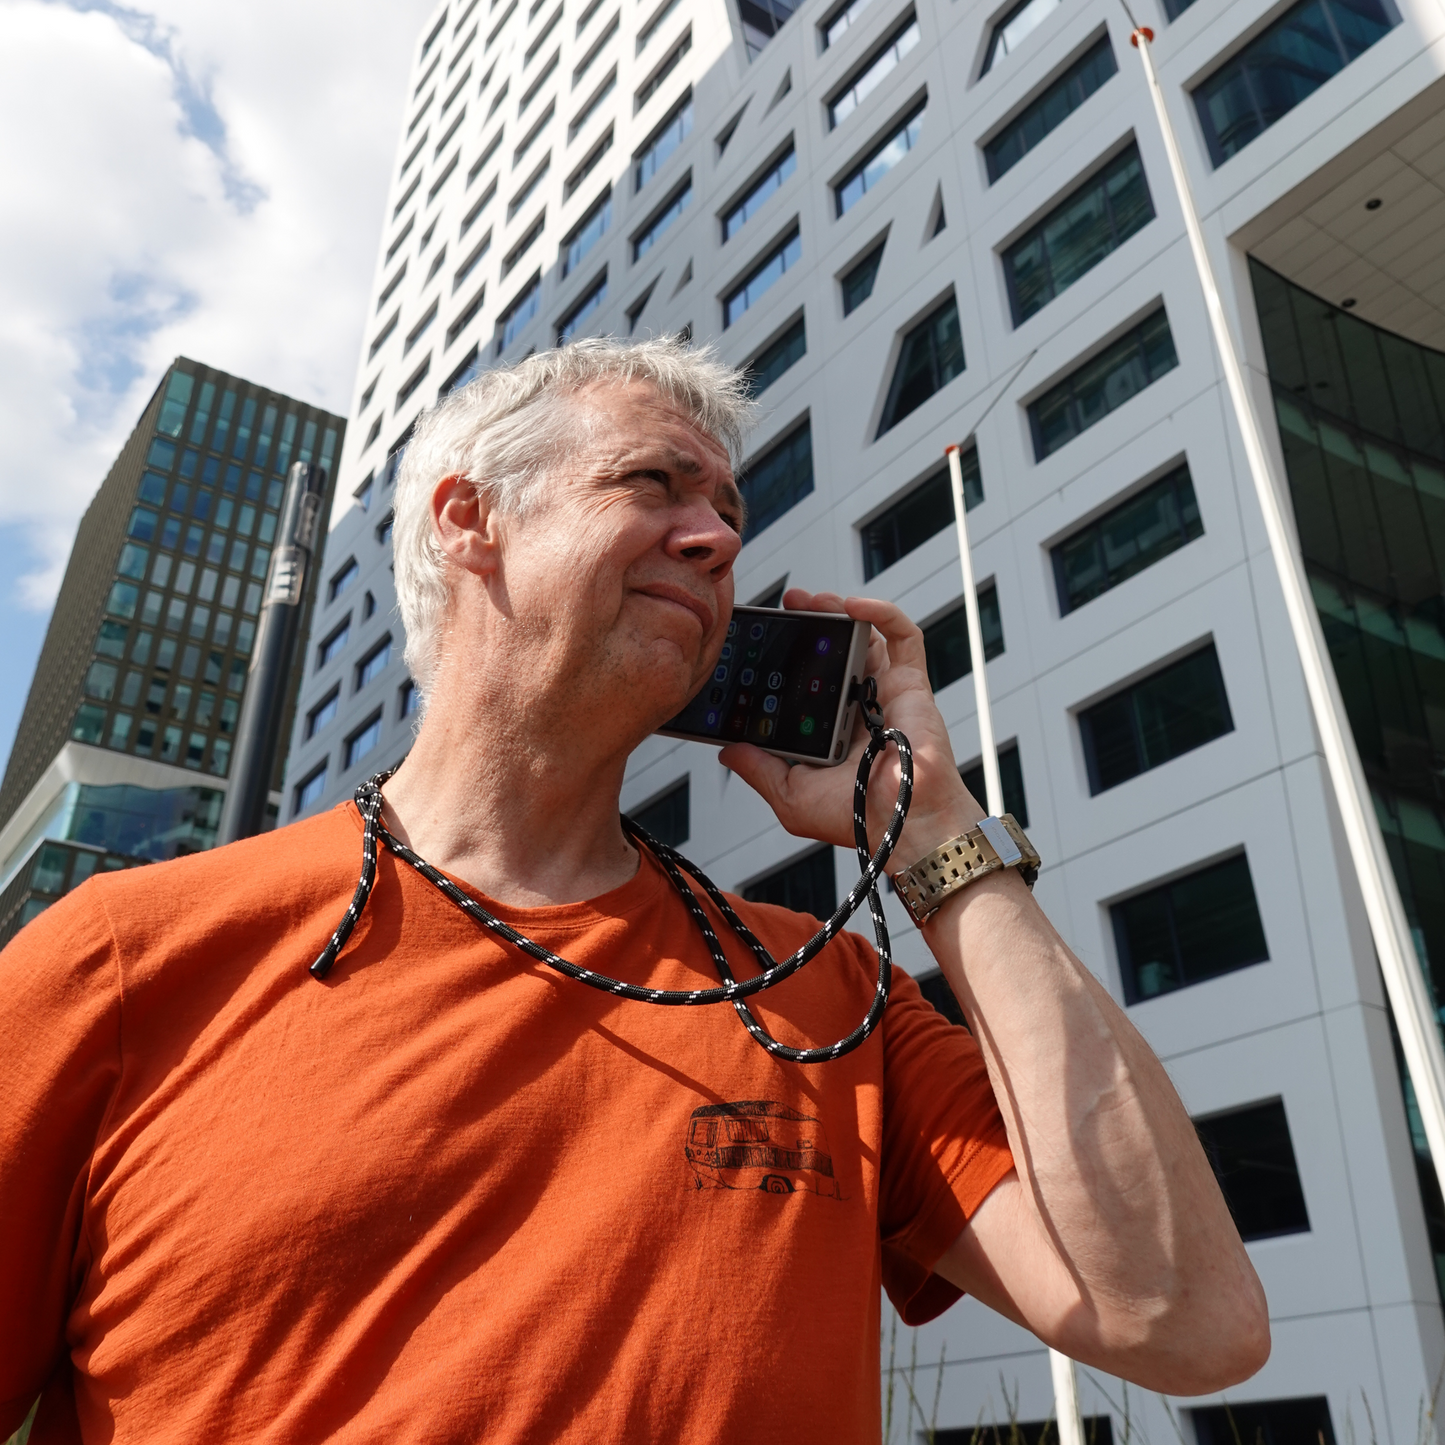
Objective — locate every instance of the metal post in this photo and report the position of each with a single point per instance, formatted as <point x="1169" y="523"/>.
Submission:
<point x="258" y="731"/>
<point x="1061" y="1367"/>
<point x="1403" y="974"/>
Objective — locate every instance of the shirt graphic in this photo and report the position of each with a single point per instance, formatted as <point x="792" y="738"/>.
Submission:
<point x="759" y="1144"/>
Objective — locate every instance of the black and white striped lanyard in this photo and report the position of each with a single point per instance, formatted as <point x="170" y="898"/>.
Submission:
<point x="369" y="802"/>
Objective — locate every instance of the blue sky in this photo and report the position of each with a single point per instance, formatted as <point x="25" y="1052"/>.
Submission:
<point x="185" y="178"/>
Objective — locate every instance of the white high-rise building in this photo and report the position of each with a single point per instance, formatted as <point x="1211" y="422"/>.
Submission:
<point x="925" y="221"/>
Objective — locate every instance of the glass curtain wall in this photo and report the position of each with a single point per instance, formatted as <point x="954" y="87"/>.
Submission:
<point x="1362" y="422"/>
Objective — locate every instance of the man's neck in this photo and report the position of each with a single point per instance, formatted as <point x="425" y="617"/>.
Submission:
<point x="523" y="811"/>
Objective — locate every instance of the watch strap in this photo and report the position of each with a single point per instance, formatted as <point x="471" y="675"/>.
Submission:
<point x="993" y="844"/>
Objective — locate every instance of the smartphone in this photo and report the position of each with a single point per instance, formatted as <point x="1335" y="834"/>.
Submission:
<point x="785" y="682"/>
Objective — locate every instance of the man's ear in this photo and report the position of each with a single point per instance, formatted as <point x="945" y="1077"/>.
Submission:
<point x="465" y="524"/>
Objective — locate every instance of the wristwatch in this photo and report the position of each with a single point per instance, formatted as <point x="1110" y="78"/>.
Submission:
<point x="995" y="843"/>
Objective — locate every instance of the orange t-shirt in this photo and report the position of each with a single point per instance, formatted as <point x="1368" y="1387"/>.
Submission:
<point x="449" y="1194"/>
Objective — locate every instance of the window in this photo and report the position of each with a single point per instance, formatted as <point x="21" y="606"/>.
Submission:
<point x="333" y="644"/>
<point x="178" y="398"/>
<point x="100" y="680"/>
<point x="834" y="28"/>
<point x="675" y="129"/>
<point x="727" y="132"/>
<point x="1170" y="712"/>
<point x="540" y="38"/>
<point x="634" y="312"/>
<point x="1268" y="1422"/>
<point x="408" y="699"/>
<point x="500" y="26"/>
<point x="662" y="218"/>
<point x="543" y="76"/>
<point x="1009" y="33"/>
<point x="420" y="329"/>
<point x="877" y="66"/>
<point x="373" y="663"/>
<point x="775" y="358"/>
<point x="1049" y="111"/>
<point x="1305" y="47"/>
<point x="529" y="239"/>
<point x="1253" y="1159"/>
<point x="323" y="712"/>
<point x="930" y="357"/>
<point x="921" y="513"/>
<point x="528" y="186"/>
<point x="596" y="48"/>
<point x="410" y="385"/>
<point x="761" y="278"/>
<point x="482" y="202"/>
<point x="451" y="130"/>
<point x="857" y="281"/>
<point x="519" y="313"/>
<point x="1011" y="775"/>
<point x="309" y="790"/>
<point x="742" y="211"/>
<point x="762" y="19"/>
<point x="435" y="188"/>
<point x="466" y="315"/>
<point x="1126" y="539"/>
<point x="1185" y="932"/>
<point x="1098" y="1429"/>
<point x="383" y="336"/>
<point x="670" y="62"/>
<point x="361" y="742"/>
<point x="651" y="27"/>
<point x="472" y="261"/>
<point x="945" y="640"/>
<point x="574" y="320"/>
<point x="588" y="165"/>
<point x="406" y="196"/>
<point x="878" y="162"/>
<point x="111" y="641"/>
<point x="935" y="988"/>
<point x="142" y="524"/>
<point x="779" y="479"/>
<point x="1102" y="384"/>
<point x="587" y="232"/>
<point x="487" y="153"/>
<point x="806" y="885"/>
<point x="467" y="370"/>
<point x="1077" y="234"/>
<point x="590" y="108"/>
<point x="342" y="579"/>
<point x="666" y="817"/>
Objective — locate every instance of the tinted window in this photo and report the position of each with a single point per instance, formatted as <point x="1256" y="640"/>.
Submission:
<point x="773" y="360"/>
<point x="878" y="162"/>
<point x="945" y="642"/>
<point x="1266" y="1422"/>
<point x="1102" y="384"/>
<point x="741" y="213"/>
<point x="935" y="988"/>
<point x="1170" y="712"/>
<point x="1127" y="539"/>
<point x="1195" y="928"/>
<point x="805" y="885"/>
<point x="666" y="818"/>
<point x="858" y="282"/>
<point x="931" y="356"/>
<point x="1098" y="1430"/>
<point x="1011" y="775"/>
<point x="1051" y="109"/>
<point x="778" y="480"/>
<point x="922" y="513"/>
<point x="782" y="258"/>
<point x="1253" y="1159"/>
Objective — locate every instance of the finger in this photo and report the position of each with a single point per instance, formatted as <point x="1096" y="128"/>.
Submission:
<point x="902" y="634"/>
<point x="797" y="600"/>
<point x="762" y="772"/>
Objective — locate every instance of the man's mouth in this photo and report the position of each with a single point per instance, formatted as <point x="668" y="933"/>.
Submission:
<point x="681" y="597"/>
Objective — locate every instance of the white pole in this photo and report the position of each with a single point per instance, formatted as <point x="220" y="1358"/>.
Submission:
<point x="1404" y="978"/>
<point x="1061" y="1367"/>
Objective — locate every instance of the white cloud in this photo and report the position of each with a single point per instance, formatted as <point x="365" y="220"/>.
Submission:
<point x="192" y="178"/>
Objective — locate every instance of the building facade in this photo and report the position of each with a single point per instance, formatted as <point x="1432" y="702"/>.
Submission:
<point x="124" y="747"/>
<point x="919" y="223"/>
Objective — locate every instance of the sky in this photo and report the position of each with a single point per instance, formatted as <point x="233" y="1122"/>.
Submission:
<point x="189" y="178"/>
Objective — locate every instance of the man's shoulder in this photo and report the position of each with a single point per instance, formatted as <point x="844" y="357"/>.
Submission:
<point x="784" y="930"/>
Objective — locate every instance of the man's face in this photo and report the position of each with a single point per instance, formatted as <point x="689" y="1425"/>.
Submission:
<point x="620" y="579"/>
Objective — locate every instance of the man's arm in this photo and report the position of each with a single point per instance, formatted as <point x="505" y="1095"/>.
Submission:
<point x="1112" y="1241"/>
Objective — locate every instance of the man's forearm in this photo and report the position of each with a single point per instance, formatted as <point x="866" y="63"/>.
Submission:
<point x="1109" y="1164"/>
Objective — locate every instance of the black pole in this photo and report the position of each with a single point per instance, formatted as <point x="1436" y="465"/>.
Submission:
<point x="258" y="731"/>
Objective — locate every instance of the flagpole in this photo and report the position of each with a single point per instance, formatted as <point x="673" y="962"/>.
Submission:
<point x="1061" y="1367"/>
<point x="1404" y="977"/>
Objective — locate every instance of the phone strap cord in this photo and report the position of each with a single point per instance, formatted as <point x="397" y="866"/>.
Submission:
<point x="369" y="803"/>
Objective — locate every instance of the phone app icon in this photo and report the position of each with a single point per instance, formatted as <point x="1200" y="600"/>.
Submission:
<point x="746" y="676"/>
<point x="775" y="681"/>
<point x="821" y="646"/>
<point x="756" y="631"/>
<point x="717" y="694"/>
<point x="816" y="685"/>
<point x="744" y="700"/>
<point x="720" y="674"/>
<point x="807" y="725"/>
<point x="752" y="654"/>
<point x="732" y="628"/>
<point x="727" y="652"/>
<point x="765" y="727"/>
<point x="712" y="717"/>
<point x="770" y="703"/>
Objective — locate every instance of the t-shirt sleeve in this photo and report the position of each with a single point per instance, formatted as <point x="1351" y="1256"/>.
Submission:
<point x="944" y="1147"/>
<point x="60" y="1046"/>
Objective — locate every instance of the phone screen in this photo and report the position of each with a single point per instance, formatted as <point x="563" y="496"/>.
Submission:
<point x="778" y="683"/>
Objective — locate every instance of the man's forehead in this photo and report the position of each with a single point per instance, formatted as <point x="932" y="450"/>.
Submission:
<point x="637" y="420"/>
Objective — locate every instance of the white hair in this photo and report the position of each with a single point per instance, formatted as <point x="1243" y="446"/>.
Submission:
<point x="515" y="427"/>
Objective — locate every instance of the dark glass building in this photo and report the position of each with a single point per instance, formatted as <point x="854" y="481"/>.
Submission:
<point x="125" y="742"/>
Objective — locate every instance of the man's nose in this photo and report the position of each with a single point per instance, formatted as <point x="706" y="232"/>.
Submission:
<point x="703" y="536"/>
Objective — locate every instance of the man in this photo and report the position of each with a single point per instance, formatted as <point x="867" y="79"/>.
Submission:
<point x="446" y="1195"/>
